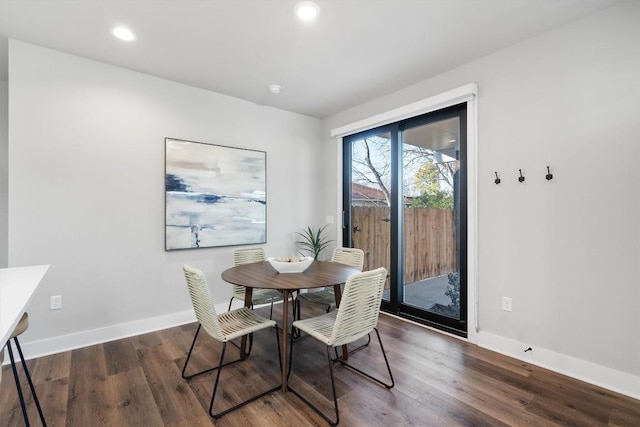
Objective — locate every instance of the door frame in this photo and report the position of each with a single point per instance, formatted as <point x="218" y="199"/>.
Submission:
<point x="468" y="94"/>
<point x="397" y="303"/>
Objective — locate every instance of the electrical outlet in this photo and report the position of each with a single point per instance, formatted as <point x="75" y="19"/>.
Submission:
<point x="329" y="219"/>
<point x="55" y="302"/>
<point x="506" y="304"/>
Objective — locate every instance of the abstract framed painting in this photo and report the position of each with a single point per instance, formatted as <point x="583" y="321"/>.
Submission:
<point x="214" y="195"/>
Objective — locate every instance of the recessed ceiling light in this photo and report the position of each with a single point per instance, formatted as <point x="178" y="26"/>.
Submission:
<point x="123" y="33"/>
<point x="307" y="10"/>
<point x="275" y="88"/>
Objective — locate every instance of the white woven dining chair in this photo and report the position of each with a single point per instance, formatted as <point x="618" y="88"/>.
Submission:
<point x="222" y="327"/>
<point x="356" y="317"/>
<point x="325" y="297"/>
<point x="259" y="296"/>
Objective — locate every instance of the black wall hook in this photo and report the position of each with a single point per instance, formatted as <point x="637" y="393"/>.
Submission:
<point x="521" y="179"/>
<point x="549" y="174"/>
<point x="497" y="180"/>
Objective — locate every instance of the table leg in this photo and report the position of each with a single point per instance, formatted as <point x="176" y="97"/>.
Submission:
<point x="248" y="295"/>
<point x="337" y="291"/>
<point x="285" y="337"/>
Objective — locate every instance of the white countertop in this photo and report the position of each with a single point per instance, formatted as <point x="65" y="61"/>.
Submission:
<point x="17" y="286"/>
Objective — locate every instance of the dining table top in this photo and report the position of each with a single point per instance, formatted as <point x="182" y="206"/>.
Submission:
<point x="263" y="275"/>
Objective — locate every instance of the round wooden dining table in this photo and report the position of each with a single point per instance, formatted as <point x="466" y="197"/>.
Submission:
<point x="262" y="275"/>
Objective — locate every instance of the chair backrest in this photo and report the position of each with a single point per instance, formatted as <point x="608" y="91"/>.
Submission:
<point x="351" y="256"/>
<point x="245" y="256"/>
<point x="248" y="255"/>
<point x="359" y="306"/>
<point x="201" y="301"/>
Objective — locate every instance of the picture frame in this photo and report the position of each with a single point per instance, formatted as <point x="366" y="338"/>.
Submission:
<point x="215" y="195"/>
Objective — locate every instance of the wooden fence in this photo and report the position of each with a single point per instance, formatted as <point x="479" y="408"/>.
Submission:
<point x="430" y="240"/>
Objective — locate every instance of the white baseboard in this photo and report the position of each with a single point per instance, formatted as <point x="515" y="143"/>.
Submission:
<point x="59" y="344"/>
<point x="611" y="379"/>
<point x="62" y="343"/>
<point x="602" y="376"/>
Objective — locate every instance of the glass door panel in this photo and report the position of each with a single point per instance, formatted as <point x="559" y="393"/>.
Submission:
<point x="430" y="170"/>
<point x="370" y="200"/>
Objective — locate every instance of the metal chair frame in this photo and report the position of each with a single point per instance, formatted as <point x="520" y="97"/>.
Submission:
<point x="219" y="369"/>
<point x="328" y="328"/>
<point x="214" y="325"/>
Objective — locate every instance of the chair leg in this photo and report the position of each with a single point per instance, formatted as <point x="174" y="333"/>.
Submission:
<point x="386" y="361"/>
<point x="333" y="389"/>
<point x="28" y="375"/>
<point x="215" y="386"/>
<point x="384" y="354"/>
<point x="333" y="384"/>
<point x="230" y="301"/>
<point x="279" y="350"/>
<point x="18" y="387"/>
<point x="186" y="362"/>
<point x="239" y="405"/>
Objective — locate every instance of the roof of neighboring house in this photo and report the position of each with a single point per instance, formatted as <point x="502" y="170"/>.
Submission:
<point x="363" y="192"/>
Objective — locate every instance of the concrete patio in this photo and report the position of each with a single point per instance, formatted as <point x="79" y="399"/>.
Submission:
<point x="425" y="293"/>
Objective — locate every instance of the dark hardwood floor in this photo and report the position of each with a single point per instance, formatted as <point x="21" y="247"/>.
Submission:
<point x="440" y="381"/>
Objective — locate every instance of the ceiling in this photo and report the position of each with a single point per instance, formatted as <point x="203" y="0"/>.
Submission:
<point x="356" y="51"/>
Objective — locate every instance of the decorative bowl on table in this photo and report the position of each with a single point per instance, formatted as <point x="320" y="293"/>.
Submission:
<point x="290" y="264"/>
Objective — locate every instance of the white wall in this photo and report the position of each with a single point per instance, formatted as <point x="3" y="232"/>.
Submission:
<point x="566" y="251"/>
<point x="4" y="166"/>
<point x="86" y="189"/>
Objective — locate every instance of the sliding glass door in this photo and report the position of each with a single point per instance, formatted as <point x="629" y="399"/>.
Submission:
<point x="405" y="206"/>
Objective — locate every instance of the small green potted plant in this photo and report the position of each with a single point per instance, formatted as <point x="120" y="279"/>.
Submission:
<point x="312" y="241"/>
